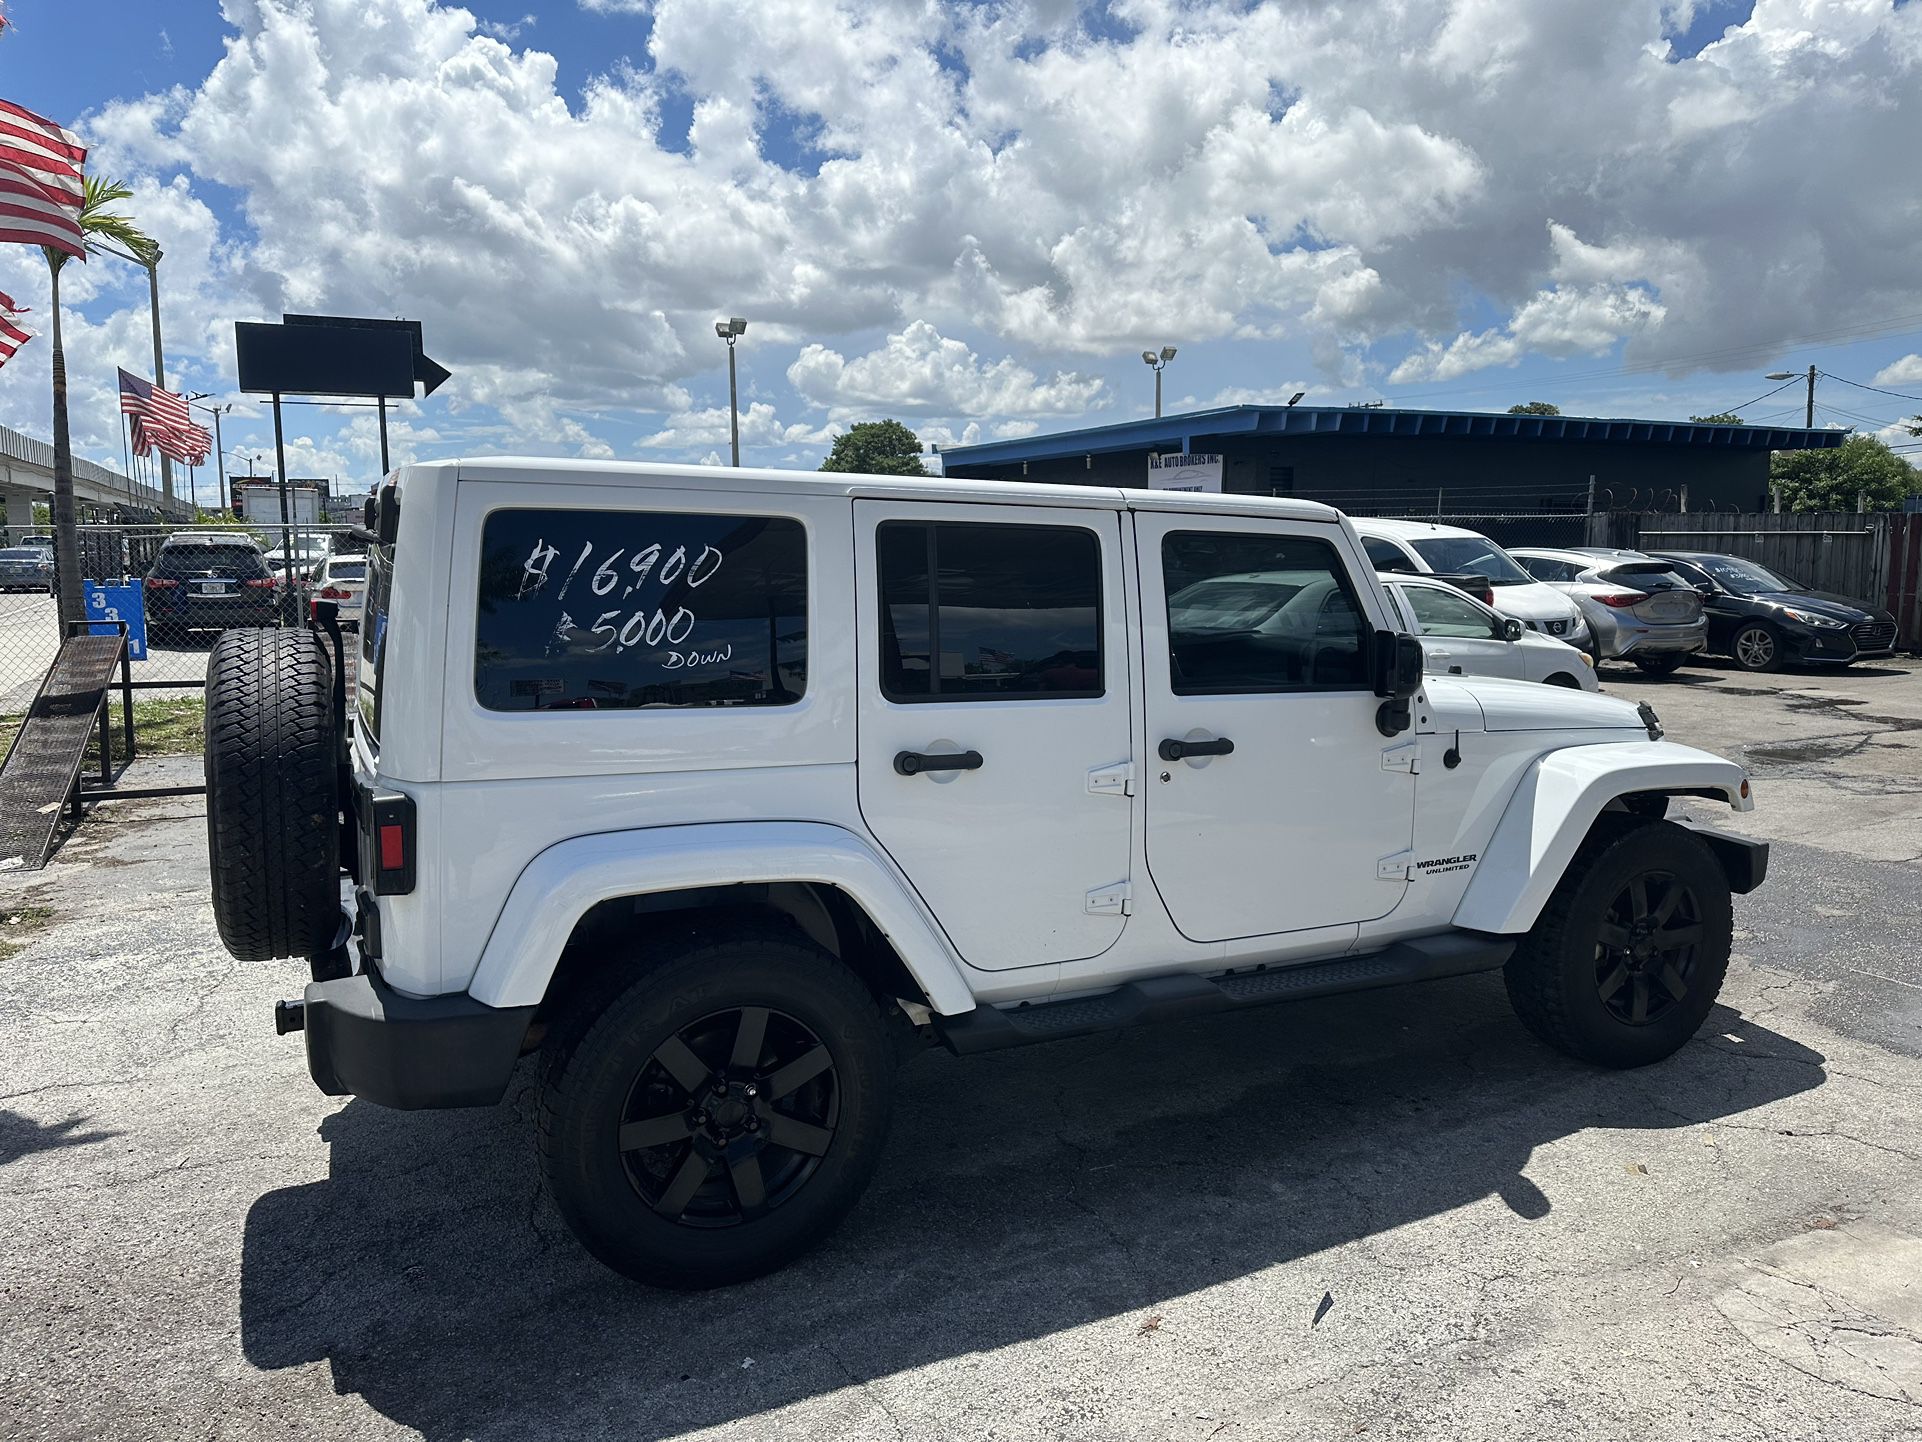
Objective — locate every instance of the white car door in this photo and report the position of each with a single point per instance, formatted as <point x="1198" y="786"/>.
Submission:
<point x="995" y="721"/>
<point x="1272" y="804"/>
<point x="1459" y="635"/>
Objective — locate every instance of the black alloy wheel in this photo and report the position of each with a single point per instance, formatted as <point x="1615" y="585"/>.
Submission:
<point x="1645" y="948"/>
<point x="729" y="1117"/>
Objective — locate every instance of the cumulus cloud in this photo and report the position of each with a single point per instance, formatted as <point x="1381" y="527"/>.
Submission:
<point x="1905" y="372"/>
<point x="921" y="372"/>
<point x="760" y="429"/>
<point x="867" y="180"/>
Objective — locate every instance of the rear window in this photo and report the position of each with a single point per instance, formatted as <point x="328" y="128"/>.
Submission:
<point x="1646" y="576"/>
<point x="22" y="553"/>
<point x="203" y="560"/>
<point x="347" y="570"/>
<point x="600" y="610"/>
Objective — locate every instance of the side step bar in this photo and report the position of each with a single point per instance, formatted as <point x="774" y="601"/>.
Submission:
<point x="1171" y="998"/>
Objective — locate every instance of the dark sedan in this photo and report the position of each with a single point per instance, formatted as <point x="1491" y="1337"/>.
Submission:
<point x="1764" y="620"/>
<point x="26" y="568"/>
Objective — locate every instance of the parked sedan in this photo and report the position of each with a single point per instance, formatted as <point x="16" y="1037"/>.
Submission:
<point x="1462" y="637"/>
<point x="1765" y="620"/>
<point x="343" y="580"/>
<point x="26" y="568"/>
<point x="1637" y="609"/>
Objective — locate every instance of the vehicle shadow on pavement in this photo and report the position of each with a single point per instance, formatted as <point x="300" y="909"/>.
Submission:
<point x="1022" y="1193"/>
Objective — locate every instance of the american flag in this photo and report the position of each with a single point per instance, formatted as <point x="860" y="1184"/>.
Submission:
<point x="11" y="336"/>
<point x="161" y="422"/>
<point x="41" y="191"/>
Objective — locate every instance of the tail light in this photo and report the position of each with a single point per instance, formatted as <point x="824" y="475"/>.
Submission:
<point x="1486" y="596"/>
<point x="1621" y="598"/>
<point x="265" y="584"/>
<point x="335" y="593"/>
<point x="391" y="824"/>
<point x="160" y="583"/>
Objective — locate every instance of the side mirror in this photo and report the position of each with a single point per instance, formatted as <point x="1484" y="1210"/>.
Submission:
<point x="1512" y="629"/>
<point x="1398" y="663"/>
<point x="386" y="517"/>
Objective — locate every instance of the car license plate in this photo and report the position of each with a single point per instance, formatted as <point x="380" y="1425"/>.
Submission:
<point x="216" y="588"/>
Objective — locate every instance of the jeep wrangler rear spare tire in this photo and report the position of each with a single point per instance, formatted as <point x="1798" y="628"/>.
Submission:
<point x="716" y="1108"/>
<point x="1626" y="959"/>
<point x="273" y="839"/>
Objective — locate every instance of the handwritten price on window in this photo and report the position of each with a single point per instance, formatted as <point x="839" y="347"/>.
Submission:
<point x="644" y="626"/>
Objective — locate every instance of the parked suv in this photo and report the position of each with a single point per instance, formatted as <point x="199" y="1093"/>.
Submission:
<point x="209" y="582"/>
<point x="1425" y="548"/>
<point x="1637" y="609"/>
<point x="715" y="791"/>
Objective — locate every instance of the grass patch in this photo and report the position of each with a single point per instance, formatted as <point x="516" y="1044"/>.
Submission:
<point x="17" y="926"/>
<point x="173" y="727"/>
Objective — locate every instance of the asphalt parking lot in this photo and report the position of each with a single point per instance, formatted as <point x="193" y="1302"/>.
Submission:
<point x="1391" y="1215"/>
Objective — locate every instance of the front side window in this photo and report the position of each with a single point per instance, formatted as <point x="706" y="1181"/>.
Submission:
<point x="989" y="612"/>
<point x="1253" y="613"/>
<point x="1439" y="613"/>
<point x="621" y="610"/>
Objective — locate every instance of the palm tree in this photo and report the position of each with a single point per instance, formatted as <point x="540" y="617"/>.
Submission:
<point x="96" y="222"/>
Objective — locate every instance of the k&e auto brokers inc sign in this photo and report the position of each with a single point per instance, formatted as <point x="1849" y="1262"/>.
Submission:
<point x="1185" y="471"/>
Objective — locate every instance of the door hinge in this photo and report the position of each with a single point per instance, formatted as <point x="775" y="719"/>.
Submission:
<point x="1115" y="780"/>
<point x="1405" y="757"/>
<point x="1113" y="899"/>
<point x="1394" y="868"/>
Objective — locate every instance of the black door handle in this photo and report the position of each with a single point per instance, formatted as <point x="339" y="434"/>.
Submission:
<point x="913" y="763"/>
<point x="1181" y="750"/>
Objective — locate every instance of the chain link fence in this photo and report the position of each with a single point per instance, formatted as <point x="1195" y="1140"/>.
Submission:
<point x="176" y="587"/>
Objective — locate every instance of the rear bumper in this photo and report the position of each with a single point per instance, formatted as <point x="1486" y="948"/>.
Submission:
<point x="1631" y="638"/>
<point x="365" y="1039"/>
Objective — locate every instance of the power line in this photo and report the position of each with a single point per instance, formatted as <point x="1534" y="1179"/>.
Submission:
<point x="1733" y="410"/>
<point x="1897" y="325"/>
<point x="1899" y="395"/>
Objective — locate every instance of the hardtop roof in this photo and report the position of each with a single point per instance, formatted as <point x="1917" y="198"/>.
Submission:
<point x="643" y="474"/>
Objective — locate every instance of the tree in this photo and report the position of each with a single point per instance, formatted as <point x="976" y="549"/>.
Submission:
<point x="1720" y="418"/>
<point x="96" y="222"/>
<point x="1830" y="480"/>
<point x="1535" y="408"/>
<point x="877" y="448"/>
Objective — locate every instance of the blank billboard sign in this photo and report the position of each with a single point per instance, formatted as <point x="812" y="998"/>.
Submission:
<point x="324" y="360"/>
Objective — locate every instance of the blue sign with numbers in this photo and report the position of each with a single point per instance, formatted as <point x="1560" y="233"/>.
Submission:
<point x="119" y="603"/>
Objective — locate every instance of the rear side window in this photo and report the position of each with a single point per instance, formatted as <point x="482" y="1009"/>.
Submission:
<point x="986" y="612"/>
<point x="207" y="560"/>
<point x="599" y="610"/>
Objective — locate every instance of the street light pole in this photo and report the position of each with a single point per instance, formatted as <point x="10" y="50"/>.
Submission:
<point x="151" y="264"/>
<point x="1808" y="414"/>
<point x="731" y="330"/>
<point x="220" y="455"/>
<point x="1158" y="362"/>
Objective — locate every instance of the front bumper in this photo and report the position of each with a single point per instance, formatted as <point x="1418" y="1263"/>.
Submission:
<point x="367" y="1040"/>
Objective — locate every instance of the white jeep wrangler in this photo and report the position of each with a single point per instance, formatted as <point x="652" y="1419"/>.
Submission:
<point x="717" y="789"/>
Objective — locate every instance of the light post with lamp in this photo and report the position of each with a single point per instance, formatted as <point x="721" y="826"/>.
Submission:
<point x="220" y="455"/>
<point x="1158" y="362"/>
<point x="1808" y="415"/>
<point x="731" y="330"/>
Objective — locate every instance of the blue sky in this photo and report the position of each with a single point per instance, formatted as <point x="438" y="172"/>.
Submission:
<point x="976" y="218"/>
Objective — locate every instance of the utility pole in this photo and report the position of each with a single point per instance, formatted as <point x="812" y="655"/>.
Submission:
<point x="1808" y="414"/>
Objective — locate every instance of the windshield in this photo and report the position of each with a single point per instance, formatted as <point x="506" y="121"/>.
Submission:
<point x="1472" y="556"/>
<point x="1745" y="578"/>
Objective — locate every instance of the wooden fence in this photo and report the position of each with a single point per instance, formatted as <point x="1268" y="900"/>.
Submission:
<point x="1877" y="556"/>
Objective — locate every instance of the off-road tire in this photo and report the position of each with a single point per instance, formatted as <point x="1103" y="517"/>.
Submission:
<point x="1661" y="664"/>
<point x="598" y="1050"/>
<point x="1553" y="976"/>
<point x="1755" y="657"/>
<point x="273" y="841"/>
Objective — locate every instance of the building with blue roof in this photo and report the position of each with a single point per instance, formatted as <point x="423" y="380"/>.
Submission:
<point x="1375" y="460"/>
